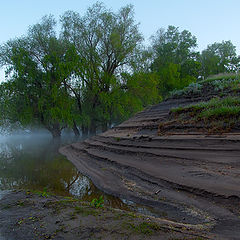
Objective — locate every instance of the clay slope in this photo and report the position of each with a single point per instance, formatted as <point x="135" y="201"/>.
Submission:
<point x="188" y="176"/>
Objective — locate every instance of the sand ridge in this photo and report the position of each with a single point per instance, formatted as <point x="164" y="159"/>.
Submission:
<point x="191" y="176"/>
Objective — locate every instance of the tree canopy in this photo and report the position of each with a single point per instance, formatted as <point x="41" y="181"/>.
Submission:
<point x="219" y="58"/>
<point x="74" y="78"/>
<point x="106" y="44"/>
<point x="95" y="71"/>
<point x="174" y="58"/>
<point x="35" y="90"/>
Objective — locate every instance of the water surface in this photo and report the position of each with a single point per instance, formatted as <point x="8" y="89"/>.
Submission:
<point x="33" y="162"/>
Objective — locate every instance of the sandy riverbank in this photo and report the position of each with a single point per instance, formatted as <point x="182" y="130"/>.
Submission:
<point x="193" y="178"/>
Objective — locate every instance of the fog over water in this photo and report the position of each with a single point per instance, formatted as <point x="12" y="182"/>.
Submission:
<point x="32" y="162"/>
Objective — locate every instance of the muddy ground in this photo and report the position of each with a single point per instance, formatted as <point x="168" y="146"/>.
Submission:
<point x="26" y="215"/>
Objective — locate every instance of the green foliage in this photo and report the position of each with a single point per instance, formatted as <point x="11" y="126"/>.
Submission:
<point x="34" y="66"/>
<point x="174" y="59"/>
<point x="43" y="193"/>
<point x="223" y="84"/>
<point x="219" y="58"/>
<point x="104" y="42"/>
<point x="98" y="202"/>
<point x="173" y="46"/>
<point x="96" y="72"/>
<point x="191" y="89"/>
<point x="225" y="77"/>
<point x="218" y="83"/>
<point x="138" y="91"/>
<point x="169" y="79"/>
<point x="20" y="222"/>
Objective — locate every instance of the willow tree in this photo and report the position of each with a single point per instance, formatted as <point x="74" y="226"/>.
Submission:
<point x="35" y="78"/>
<point x="106" y="43"/>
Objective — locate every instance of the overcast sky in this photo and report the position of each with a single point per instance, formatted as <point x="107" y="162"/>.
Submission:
<point x="209" y="20"/>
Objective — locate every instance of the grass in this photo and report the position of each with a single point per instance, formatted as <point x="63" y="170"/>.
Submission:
<point x="144" y="227"/>
<point x="223" y="81"/>
<point x="220" y="76"/>
<point x="215" y="108"/>
<point x="43" y="193"/>
<point x="84" y="211"/>
<point x="222" y="84"/>
<point x="216" y="114"/>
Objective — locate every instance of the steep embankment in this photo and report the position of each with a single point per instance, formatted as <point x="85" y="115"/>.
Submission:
<point x="191" y="176"/>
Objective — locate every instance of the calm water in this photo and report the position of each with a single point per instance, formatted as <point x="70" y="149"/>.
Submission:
<point x="28" y="162"/>
<point x="34" y="163"/>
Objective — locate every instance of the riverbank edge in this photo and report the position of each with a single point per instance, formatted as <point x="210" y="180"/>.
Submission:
<point x="28" y="215"/>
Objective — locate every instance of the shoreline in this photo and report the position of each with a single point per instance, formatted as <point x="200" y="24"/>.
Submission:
<point x="26" y="215"/>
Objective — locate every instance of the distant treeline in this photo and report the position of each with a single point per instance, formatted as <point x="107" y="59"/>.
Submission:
<point x="96" y="71"/>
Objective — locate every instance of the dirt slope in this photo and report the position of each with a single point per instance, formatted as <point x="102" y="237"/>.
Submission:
<point x="191" y="177"/>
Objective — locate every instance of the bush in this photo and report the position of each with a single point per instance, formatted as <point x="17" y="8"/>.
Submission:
<point x="192" y="88"/>
<point x="219" y="83"/>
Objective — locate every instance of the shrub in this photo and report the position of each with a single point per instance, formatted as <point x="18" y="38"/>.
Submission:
<point x="192" y="88"/>
<point x="219" y="83"/>
<point x="98" y="202"/>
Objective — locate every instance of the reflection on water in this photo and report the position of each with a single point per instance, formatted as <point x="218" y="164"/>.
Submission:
<point x="28" y="162"/>
<point x="33" y="162"/>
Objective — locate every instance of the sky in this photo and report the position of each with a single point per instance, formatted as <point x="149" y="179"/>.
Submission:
<point x="209" y="20"/>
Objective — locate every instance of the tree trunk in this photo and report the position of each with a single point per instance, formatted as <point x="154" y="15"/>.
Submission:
<point x="93" y="128"/>
<point x="84" y="131"/>
<point x="104" y="127"/>
<point x="56" y="133"/>
<point x="55" y="130"/>
<point x="75" y="129"/>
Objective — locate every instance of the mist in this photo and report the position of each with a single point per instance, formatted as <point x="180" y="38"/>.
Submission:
<point x="38" y="135"/>
<point x="30" y="160"/>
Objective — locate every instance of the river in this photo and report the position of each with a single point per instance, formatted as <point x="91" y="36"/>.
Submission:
<point x="32" y="162"/>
